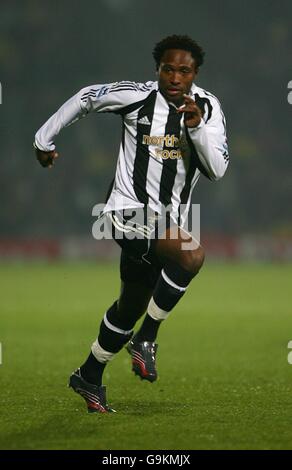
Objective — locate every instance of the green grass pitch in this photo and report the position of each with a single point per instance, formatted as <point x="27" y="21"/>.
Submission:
<point x="224" y="378"/>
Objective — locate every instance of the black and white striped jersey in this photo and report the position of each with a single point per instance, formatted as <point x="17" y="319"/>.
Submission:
<point x="160" y="160"/>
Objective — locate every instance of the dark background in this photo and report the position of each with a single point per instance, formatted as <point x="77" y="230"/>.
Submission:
<point x="49" y="50"/>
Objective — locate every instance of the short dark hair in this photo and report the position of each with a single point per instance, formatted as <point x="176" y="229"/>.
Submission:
<point x="178" y="42"/>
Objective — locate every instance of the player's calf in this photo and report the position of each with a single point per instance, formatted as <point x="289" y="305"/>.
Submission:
<point x="170" y="288"/>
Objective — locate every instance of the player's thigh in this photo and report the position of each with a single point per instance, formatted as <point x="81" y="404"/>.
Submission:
<point x="180" y="247"/>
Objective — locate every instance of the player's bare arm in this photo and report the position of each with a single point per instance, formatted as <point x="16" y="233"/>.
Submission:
<point x="192" y="112"/>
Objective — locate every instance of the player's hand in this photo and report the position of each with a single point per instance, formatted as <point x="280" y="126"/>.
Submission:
<point x="192" y="112"/>
<point x="46" y="159"/>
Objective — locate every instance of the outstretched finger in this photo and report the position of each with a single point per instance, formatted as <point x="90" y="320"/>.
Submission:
<point x="182" y="108"/>
<point x="185" y="108"/>
<point x="188" y="99"/>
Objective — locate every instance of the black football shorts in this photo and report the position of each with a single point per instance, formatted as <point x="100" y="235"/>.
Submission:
<point x="136" y="232"/>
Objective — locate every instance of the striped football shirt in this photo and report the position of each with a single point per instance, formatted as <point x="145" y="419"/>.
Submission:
<point x="160" y="160"/>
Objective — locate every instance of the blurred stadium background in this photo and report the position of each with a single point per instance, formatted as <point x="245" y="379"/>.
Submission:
<point x="234" y="391"/>
<point x="49" y="50"/>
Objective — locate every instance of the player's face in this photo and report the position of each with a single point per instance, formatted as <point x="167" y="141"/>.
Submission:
<point x="176" y="74"/>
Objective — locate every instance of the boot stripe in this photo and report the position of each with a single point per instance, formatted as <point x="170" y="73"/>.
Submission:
<point x="88" y="395"/>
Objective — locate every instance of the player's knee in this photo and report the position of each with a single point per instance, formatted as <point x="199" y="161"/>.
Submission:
<point x="192" y="260"/>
